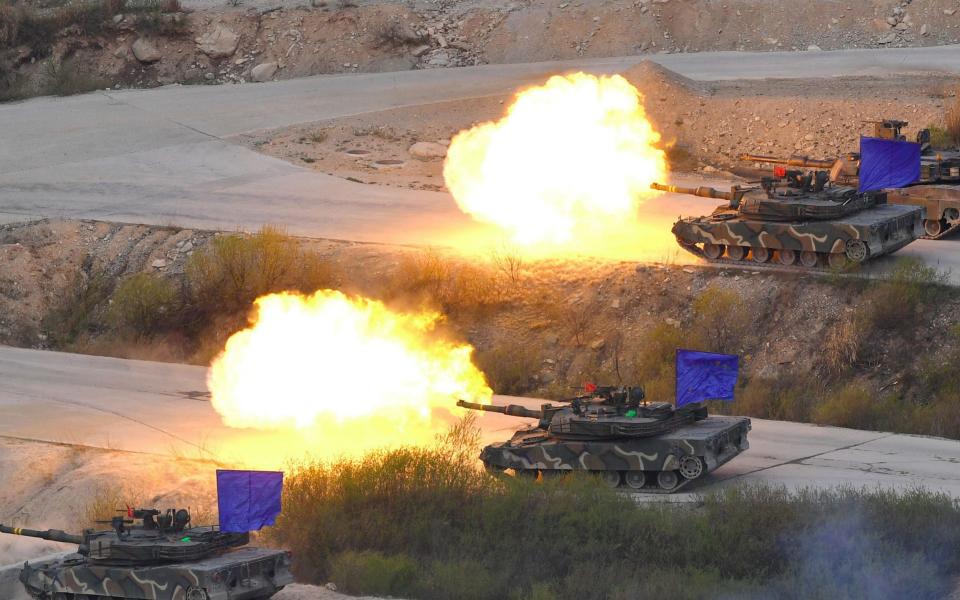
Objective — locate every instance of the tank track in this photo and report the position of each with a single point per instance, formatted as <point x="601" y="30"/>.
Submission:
<point x="650" y="487"/>
<point x="746" y="263"/>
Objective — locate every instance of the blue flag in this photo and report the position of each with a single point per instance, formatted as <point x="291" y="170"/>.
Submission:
<point x="705" y="376"/>
<point x="248" y="500"/>
<point x="888" y="163"/>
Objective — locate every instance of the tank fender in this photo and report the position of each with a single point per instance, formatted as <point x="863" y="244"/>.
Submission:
<point x="711" y="461"/>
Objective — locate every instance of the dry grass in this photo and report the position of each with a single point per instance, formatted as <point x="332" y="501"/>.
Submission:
<point x="951" y="119"/>
<point x="107" y="502"/>
<point x="842" y="346"/>
<point x="454" y="286"/>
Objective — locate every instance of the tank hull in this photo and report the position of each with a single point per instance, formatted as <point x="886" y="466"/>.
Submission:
<point x="242" y="574"/>
<point x="855" y="238"/>
<point x="714" y="441"/>
<point x="940" y="201"/>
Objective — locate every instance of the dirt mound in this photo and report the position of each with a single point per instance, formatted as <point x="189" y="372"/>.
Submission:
<point x="656" y="81"/>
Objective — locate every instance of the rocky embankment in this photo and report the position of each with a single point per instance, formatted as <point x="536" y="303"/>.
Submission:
<point x="235" y="43"/>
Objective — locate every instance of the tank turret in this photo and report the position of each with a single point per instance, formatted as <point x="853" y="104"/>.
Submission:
<point x="147" y="553"/>
<point x="604" y="413"/>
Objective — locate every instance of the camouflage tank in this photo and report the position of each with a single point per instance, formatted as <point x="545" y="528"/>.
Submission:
<point x="937" y="190"/>
<point x="802" y="220"/>
<point x="647" y="447"/>
<point x="162" y="558"/>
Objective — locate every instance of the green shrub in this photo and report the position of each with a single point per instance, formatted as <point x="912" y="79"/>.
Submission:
<point x="476" y="536"/>
<point x="360" y="573"/>
<point x="854" y="405"/>
<point x="510" y="367"/>
<point x="234" y="270"/>
<point x="788" y="397"/>
<point x="142" y="303"/>
<point x="894" y="302"/>
<point x="466" y="579"/>
<point x="653" y="363"/>
<point x="69" y="77"/>
<point x="939" y="138"/>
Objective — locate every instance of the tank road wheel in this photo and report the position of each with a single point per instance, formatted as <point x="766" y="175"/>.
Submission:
<point x="933" y="228"/>
<point x="837" y="260"/>
<point x="857" y="251"/>
<point x="736" y="252"/>
<point x="713" y="251"/>
<point x="786" y="257"/>
<point x="761" y="255"/>
<point x="610" y="478"/>
<point x="635" y="479"/>
<point x="667" y="480"/>
<point x="195" y="593"/>
<point x="808" y="259"/>
<point x="691" y="467"/>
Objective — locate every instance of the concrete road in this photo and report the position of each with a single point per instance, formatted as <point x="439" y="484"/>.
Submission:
<point x="161" y="156"/>
<point x="162" y="408"/>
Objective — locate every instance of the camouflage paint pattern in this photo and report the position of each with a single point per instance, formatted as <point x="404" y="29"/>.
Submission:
<point x="883" y="230"/>
<point x="242" y="574"/>
<point x="715" y="440"/>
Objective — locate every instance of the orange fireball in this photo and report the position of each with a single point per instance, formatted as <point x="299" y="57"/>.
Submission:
<point x="348" y="373"/>
<point x="573" y="157"/>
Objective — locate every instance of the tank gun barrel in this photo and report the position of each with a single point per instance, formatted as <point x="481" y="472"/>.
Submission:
<point x="54" y="535"/>
<point x="514" y="410"/>
<point x="702" y="191"/>
<point x="792" y="161"/>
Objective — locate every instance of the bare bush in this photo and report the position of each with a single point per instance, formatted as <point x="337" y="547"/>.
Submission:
<point x="510" y="264"/>
<point x="577" y="317"/>
<point x="721" y="319"/>
<point x="395" y="34"/>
